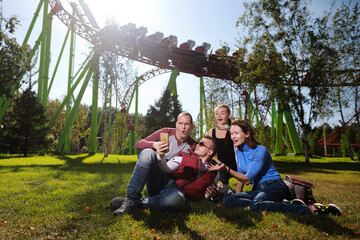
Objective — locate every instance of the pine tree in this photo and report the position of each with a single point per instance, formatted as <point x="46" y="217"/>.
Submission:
<point x="29" y="117"/>
<point x="163" y="113"/>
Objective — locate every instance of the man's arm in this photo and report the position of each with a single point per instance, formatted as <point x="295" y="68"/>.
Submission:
<point x="171" y="165"/>
<point x="153" y="141"/>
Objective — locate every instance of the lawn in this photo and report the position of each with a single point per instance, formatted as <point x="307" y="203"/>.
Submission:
<point x="67" y="197"/>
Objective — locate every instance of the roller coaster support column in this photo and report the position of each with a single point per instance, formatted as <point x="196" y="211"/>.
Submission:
<point x="45" y="56"/>
<point x="273" y="122"/>
<point x="136" y="122"/>
<point x="172" y="83"/>
<point x="70" y="80"/>
<point x="94" y="106"/>
<point x="279" y="132"/>
<point x="70" y="121"/>
<point x="294" y="137"/>
<point x="202" y="105"/>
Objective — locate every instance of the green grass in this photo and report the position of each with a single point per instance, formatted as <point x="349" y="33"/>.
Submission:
<point x="67" y="197"/>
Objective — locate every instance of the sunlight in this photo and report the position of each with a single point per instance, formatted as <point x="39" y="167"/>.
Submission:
<point x="135" y="11"/>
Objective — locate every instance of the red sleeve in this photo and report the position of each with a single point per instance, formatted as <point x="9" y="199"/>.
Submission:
<point x="149" y="140"/>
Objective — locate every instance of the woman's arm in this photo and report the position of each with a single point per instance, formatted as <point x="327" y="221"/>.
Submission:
<point x="239" y="186"/>
<point x="241" y="177"/>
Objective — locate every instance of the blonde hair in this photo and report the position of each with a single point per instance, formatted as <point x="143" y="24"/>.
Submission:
<point x="222" y="105"/>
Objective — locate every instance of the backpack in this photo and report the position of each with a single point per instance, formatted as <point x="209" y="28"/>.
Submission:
<point x="300" y="188"/>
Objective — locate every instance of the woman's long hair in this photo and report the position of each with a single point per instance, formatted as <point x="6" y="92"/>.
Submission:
<point x="247" y="129"/>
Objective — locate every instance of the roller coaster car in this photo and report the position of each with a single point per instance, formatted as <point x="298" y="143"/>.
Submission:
<point x="188" y="45"/>
<point x="170" y="41"/>
<point x="155" y="48"/>
<point x="222" y="65"/>
<point x="188" y="60"/>
<point x="203" y="49"/>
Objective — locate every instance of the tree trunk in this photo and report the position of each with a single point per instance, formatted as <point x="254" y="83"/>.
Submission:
<point x="305" y="144"/>
<point x="324" y="134"/>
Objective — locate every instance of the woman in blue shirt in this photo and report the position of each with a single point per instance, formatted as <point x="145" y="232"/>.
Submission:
<point x="256" y="167"/>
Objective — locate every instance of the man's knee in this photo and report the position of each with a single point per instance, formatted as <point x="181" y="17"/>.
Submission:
<point x="147" y="155"/>
<point x="174" y="201"/>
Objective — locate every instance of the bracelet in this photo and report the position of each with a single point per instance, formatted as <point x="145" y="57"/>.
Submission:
<point x="228" y="171"/>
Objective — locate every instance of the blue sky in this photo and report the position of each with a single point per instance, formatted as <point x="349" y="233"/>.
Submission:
<point x="211" y="21"/>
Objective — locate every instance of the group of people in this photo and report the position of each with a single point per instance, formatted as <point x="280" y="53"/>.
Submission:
<point x="183" y="170"/>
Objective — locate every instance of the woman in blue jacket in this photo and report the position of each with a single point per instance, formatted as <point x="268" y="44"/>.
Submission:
<point x="256" y="167"/>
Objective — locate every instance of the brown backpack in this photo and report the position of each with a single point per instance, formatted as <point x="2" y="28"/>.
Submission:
<point x="300" y="188"/>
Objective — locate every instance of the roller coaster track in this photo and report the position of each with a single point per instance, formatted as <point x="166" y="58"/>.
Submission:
<point x="153" y="50"/>
<point x="331" y="137"/>
<point x="142" y="79"/>
<point x="132" y="43"/>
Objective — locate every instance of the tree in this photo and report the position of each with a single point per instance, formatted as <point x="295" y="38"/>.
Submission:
<point x="163" y="113"/>
<point x="345" y="37"/>
<point x="117" y="74"/>
<point x="290" y="58"/>
<point x="28" y="130"/>
<point x="13" y="58"/>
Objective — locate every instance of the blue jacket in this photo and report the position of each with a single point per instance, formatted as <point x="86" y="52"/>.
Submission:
<point x="256" y="164"/>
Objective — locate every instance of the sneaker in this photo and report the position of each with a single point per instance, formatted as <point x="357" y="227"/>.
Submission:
<point x="320" y="209"/>
<point x="116" y="203"/>
<point x="127" y="206"/>
<point x="295" y="201"/>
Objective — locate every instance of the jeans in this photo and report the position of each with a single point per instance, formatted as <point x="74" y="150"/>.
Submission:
<point x="146" y="172"/>
<point x="266" y="196"/>
<point x="164" y="194"/>
<point x="169" y="198"/>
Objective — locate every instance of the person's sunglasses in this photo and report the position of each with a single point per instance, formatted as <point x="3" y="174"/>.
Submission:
<point x="202" y="144"/>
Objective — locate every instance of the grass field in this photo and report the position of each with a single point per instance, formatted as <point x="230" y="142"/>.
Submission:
<point x="67" y="197"/>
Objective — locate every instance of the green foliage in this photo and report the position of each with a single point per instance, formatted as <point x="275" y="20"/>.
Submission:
<point x="163" y="113"/>
<point x="28" y="131"/>
<point x="67" y="197"/>
<point x="13" y="58"/>
<point x="293" y="56"/>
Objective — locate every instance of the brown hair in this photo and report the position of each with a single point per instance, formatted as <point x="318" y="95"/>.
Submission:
<point x="214" y="144"/>
<point x="247" y="129"/>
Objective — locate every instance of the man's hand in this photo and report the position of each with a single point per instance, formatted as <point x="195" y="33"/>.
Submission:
<point x="213" y="192"/>
<point x="161" y="148"/>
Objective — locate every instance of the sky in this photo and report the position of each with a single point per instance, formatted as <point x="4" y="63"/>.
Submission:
<point x="211" y="21"/>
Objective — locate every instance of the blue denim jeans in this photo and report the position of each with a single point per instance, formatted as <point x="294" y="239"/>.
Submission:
<point x="169" y="198"/>
<point x="164" y="194"/>
<point x="146" y="172"/>
<point x="267" y="196"/>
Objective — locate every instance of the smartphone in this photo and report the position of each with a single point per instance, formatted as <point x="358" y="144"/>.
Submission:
<point x="164" y="137"/>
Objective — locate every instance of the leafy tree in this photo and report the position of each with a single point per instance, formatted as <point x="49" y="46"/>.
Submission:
<point x="28" y="130"/>
<point x="117" y="74"/>
<point x="13" y="58"/>
<point x="290" y="57"/>
<point x="163" y="113"/>
<point x="345" y="37"/>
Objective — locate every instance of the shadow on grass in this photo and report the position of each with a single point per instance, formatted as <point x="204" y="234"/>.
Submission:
<point x="324" y="224"/>
<point x="298" y="167"/>
<point x="168" y="222"/>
